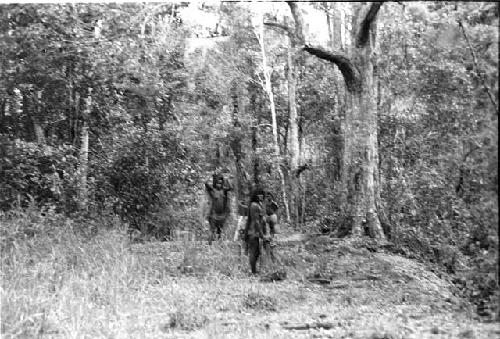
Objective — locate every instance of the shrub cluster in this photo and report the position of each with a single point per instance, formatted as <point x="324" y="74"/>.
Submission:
<point x="31" y="172"/>
<point x="144" y="178"/>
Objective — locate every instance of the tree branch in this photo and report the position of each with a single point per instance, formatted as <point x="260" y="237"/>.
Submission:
<point x="476" y="68"/>
<point x="366" y="24"/>
<point x="287" y="29"/>
<point x="348" y="70"/>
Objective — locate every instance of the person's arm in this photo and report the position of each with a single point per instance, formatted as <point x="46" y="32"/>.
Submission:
<point x="273" y="221"/>
<point x="209" y="188"/>
<point x="227" y="185"/>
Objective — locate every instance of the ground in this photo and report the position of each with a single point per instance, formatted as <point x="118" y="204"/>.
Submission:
<point x="109" y="287"/>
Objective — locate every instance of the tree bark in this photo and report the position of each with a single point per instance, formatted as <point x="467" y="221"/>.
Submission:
<point x="329" y="23"/>
<point x="39" y="130"/>
<point x="360" y="160"/>
<point x="3" y="109"/>
<point x="39" y="133"/>
<point x="255" y="158"/>
<point x="336" y="22"/>
<point x="301" y="205"/>
<point x="293" y="147"/>
<point x="76" y="113"/>
<point x="334" y="18"/>
<point x="84" y="157"/>
<point x="235" y="143"/>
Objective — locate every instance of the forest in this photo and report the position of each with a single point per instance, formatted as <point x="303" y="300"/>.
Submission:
<point x="373" y="126"/>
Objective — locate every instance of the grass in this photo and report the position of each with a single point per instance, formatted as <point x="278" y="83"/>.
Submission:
<point x="59" y="282"/>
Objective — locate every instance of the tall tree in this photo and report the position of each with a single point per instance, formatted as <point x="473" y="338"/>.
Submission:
<point x="360" y="160"/>
<point x="294" y="60"/>
<point x="259" y="32"/>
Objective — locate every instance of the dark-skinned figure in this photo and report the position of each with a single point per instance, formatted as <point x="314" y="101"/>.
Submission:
<point x="271" y="220"/>
<point x="271" y="214"/>
<point x="255" y="230"/>
<point x="219" y="205"/>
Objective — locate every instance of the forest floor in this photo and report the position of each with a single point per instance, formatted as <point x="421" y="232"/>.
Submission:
<point x="63" y="285"/>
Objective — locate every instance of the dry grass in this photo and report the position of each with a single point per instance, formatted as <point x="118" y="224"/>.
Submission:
<point x="57" y="283"/>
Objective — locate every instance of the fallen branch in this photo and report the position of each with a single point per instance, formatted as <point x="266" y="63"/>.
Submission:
<point x="308" y="326"/>
<point x="366" y="277"/>
<point x="338" y="285"/>
<point x="319" y="281"/>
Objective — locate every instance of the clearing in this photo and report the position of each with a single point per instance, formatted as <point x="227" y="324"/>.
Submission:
<point x="107" y="287"/>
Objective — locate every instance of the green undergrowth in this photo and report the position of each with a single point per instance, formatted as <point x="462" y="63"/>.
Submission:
<point x="61" y="281"/>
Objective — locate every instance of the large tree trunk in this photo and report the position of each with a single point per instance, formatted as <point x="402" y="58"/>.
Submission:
<point x="360" y="160"/>
<point x="360" y="175"/>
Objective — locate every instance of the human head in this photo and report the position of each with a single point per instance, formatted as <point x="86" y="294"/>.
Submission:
<point x="257" y="195"/>
<point x="218" y="180"/>
<point x="271" y="207"/>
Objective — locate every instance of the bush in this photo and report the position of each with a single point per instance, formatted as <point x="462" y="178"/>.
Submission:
<point x="149" y="177"/>
<point x="260" y="302"/>
<point x="186" y="320"/>
<point x="43" y="174"/>
<point x="457" y="233"/>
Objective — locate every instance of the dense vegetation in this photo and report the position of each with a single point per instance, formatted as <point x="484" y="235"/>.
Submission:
<point x="126" y="109"/>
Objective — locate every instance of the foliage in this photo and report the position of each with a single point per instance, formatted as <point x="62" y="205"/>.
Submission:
<point x="127" y="60"/>
<point x="149" y="178"/>
<point x="42" y="174"/>
<point x="438" y="137"/>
